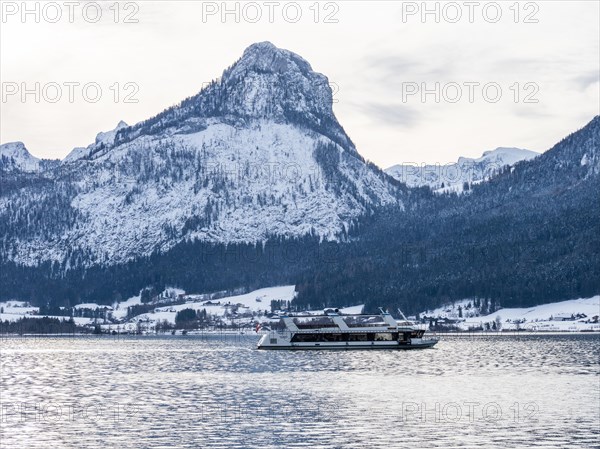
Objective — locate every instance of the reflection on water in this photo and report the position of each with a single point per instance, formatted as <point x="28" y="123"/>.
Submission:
<point x="219" y="392"/>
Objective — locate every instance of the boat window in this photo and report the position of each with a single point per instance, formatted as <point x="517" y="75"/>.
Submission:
<point x="358" y="337"/>
<point x="404" y="336"/>
<point x="364" y="321"/>
<point x="314" y="322"/>
<point x="303" y="337"/>
<point x="384" y="336"/>
<point x="332" y="337"/>
<point x="320" y="337"/>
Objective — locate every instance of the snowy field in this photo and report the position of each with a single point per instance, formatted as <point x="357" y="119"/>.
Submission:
<point x="15" y="310"/>
<point x="255" y="301"/>
<point x="544" y="317"/>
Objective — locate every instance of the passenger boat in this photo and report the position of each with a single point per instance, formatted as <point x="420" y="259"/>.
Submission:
<point x="335" y="330"/>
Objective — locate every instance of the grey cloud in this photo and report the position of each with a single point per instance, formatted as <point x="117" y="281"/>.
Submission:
<point x="401" y="68"/>
<point x="586" y="80"/>
<point x="531" y="111"/>
<point x="398" y="115"/>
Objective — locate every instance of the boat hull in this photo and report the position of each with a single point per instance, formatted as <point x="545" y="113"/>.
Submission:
<point x="347" y="347"/>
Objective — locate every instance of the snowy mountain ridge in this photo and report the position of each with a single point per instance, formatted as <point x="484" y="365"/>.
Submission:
<point x="103" y="139"/>
<point x="452" y="177"/>
<point x="14" y="156"/>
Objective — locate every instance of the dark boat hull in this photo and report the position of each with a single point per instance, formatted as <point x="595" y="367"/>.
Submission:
<point x="349" y="347"/>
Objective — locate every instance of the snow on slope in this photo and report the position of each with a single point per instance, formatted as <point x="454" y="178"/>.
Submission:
<point x="255" y="301"/>
<point x="353" y="309"/>
<point x="106" y="138"/>
<point x="587" y="306"/>
<point x="530" y="318"/>
<point x="451" y="177"/>
<point x="120" y="308"/>
<point x="502" y="156"/>
<point x="15" y="310"/>
<point x="274" y="187"/>
<point x="219" y="307"/>
<point x="14" y="155"/>
<point x="11" y="317"/>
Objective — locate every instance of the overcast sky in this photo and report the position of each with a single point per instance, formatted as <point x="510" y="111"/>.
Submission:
<point x="378" y="56"/>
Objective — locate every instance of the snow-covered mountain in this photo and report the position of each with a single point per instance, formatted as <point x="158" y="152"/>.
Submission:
<point x="257" y="154"/>
<point x="452" y="177"/>
<point x="14" y="156"/>
<point x="103" y="139"/>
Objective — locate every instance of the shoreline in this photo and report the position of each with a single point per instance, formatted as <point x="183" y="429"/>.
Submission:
<point x="233" y="333"/>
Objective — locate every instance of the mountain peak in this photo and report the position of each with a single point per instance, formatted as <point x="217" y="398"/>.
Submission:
<point x="266" y="84"/>
<point x="103" y="139"/>
<point x="268" y="80"/>
<point x="262" y="46"/>
<point x="108" y="137"/>
<point x="17" y="156"/>
<point x="7" y="147"/>
<point x="266" y="57"/>
<point x="504" y="155"/>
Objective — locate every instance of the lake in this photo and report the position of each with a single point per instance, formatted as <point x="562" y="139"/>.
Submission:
<point x="217" y="391"/>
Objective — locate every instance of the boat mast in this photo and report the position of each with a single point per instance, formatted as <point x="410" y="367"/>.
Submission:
<point x="402" y="315"/>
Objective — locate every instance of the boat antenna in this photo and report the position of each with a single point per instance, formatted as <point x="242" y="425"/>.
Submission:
<point x="401" y="314"/>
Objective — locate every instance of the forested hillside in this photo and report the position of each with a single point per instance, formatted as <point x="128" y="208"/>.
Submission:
<point x="528" y="236"/>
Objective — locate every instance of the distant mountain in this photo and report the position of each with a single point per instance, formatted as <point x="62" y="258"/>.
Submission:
<point x="256" y="155"/>
<point x="14" y="156"/>
<point x="452" y="177"/>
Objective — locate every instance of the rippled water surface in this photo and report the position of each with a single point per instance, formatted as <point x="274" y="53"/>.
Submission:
<point x="219" y="392"/>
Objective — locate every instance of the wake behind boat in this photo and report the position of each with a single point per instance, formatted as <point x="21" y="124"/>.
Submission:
<point x="341" y="331"/>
